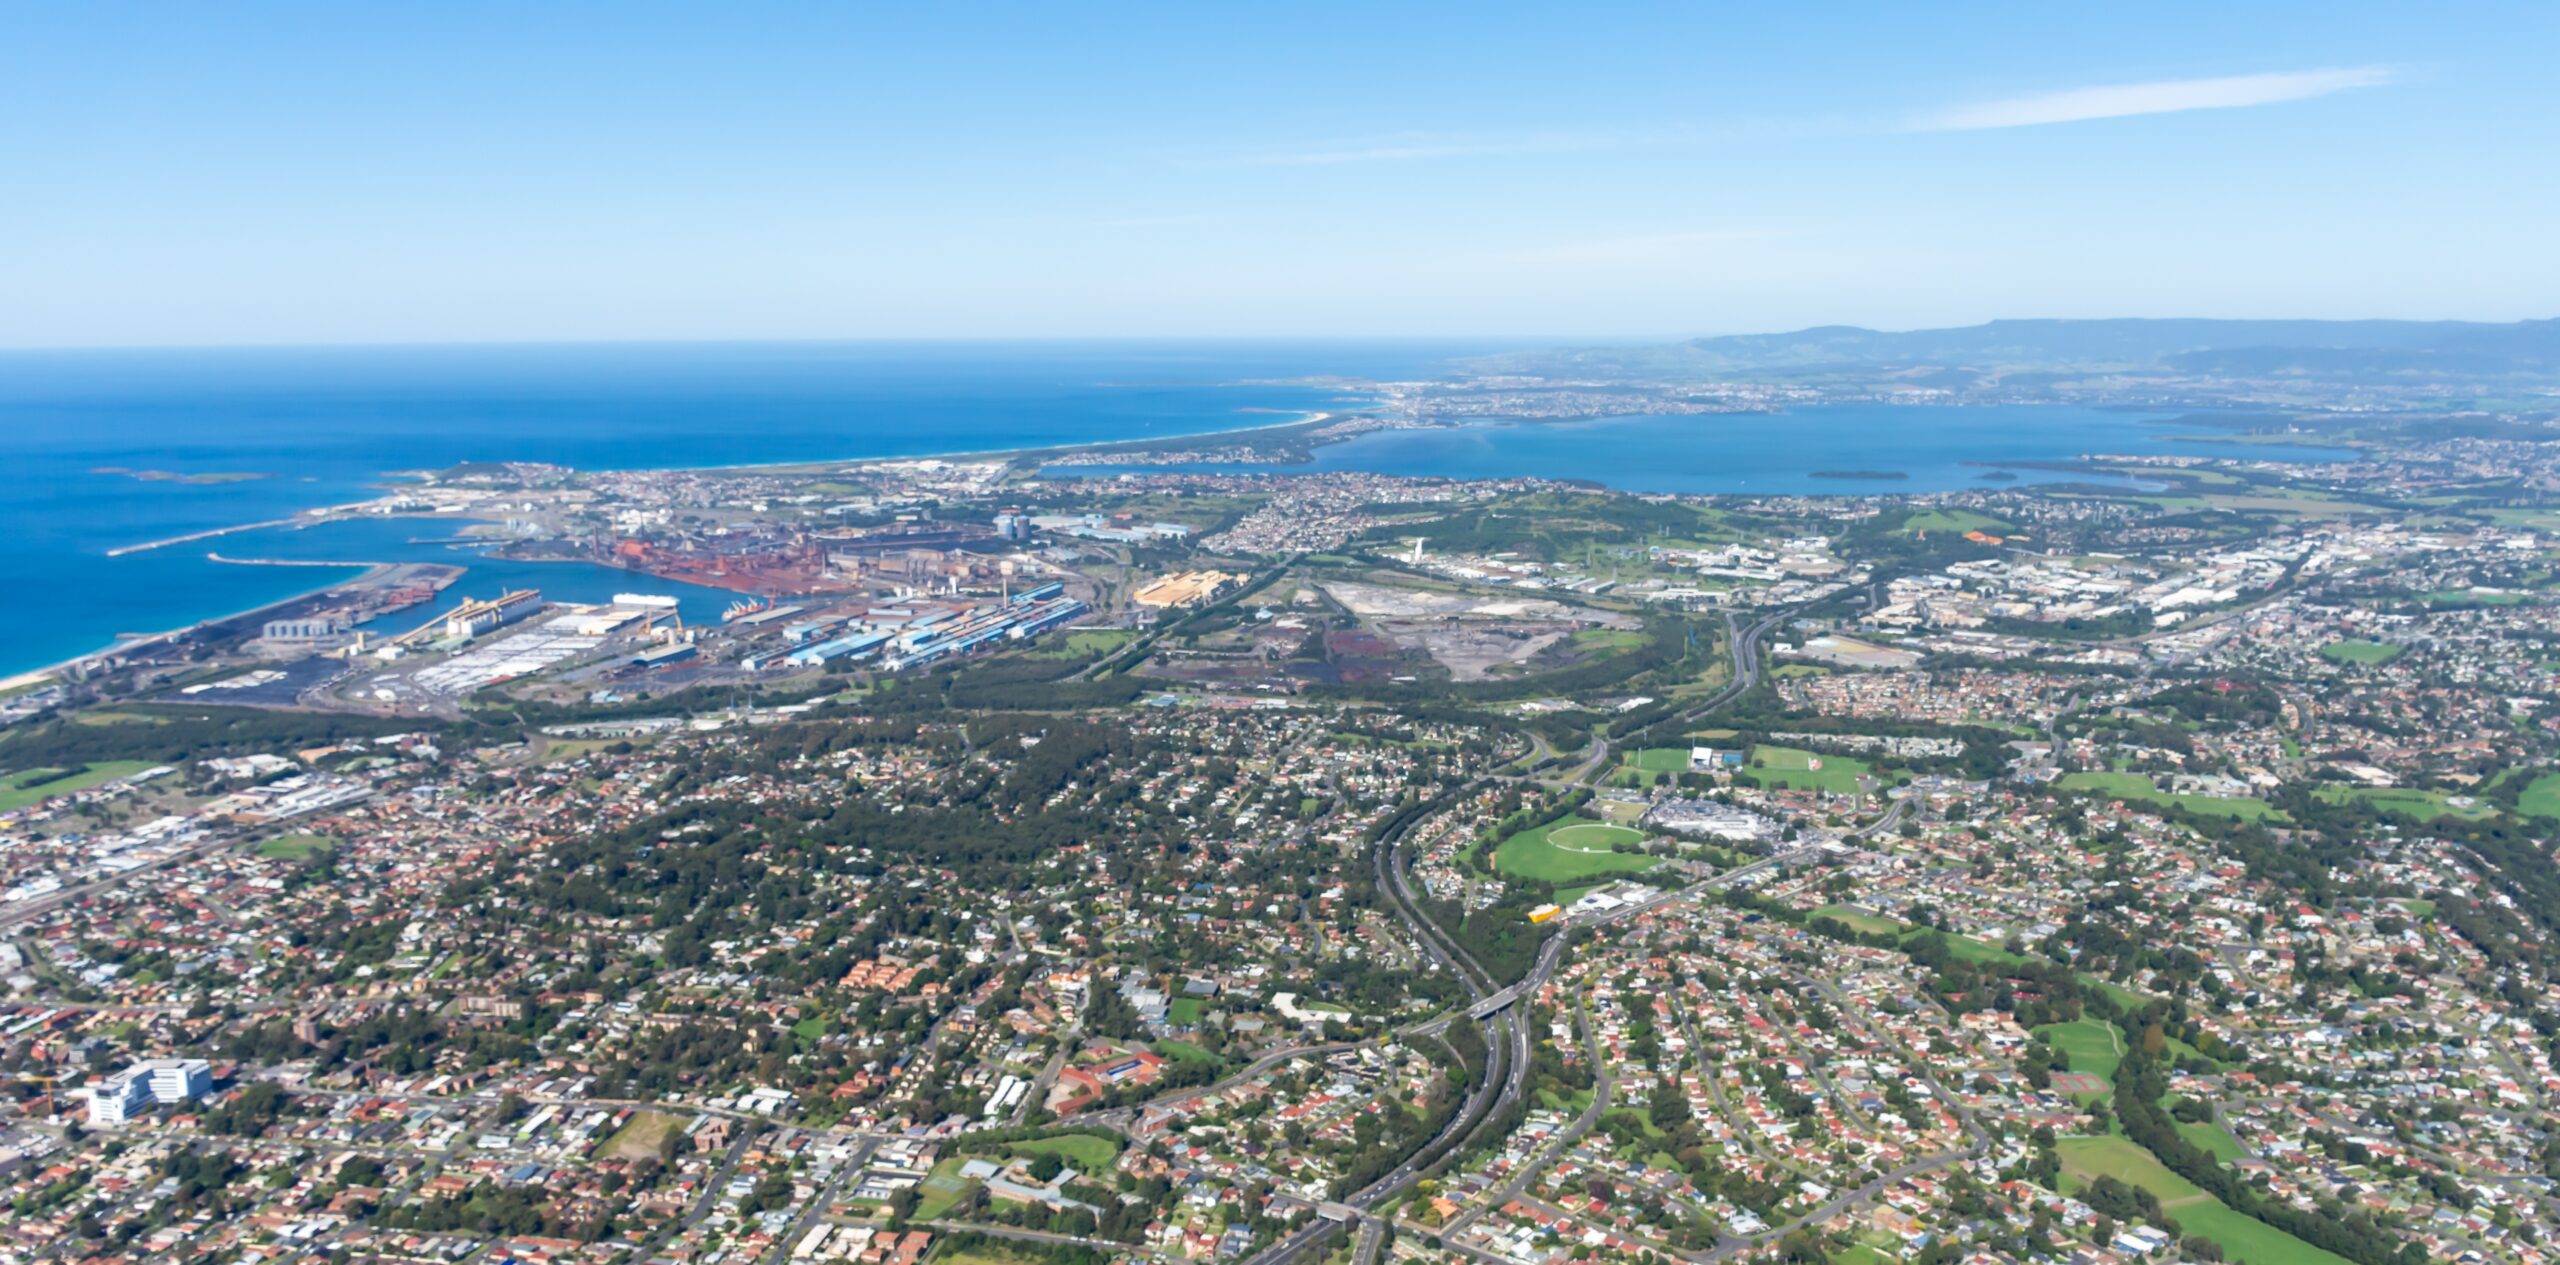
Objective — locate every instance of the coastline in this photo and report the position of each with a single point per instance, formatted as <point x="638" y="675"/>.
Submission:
<point x="53" y="671"/>
<point x="318" y="515"/>
<point x="1268" y="429"/>
<point x="375" y="570"/>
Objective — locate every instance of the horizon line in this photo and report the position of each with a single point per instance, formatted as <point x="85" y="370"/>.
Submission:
<point x="1554" y="339"/>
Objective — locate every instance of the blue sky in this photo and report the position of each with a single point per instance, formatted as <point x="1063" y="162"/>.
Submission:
<point x="190" y="173"/>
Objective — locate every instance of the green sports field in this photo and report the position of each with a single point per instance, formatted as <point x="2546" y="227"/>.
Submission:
<point x="295" y="847"/>
<point x="2361" y="653"/>
<point x="1570" y="849"/>
<point x="2541" y="797"/>
<point x="1859" y="920"/>
<point x="1660" y="759"/>
<point x="1790" y="768"/>
<point x="2408" y="802"/>
<point x="2091" y="1046"/>
<point x="34" y="786"/>
<point x="1091" y="1155"/>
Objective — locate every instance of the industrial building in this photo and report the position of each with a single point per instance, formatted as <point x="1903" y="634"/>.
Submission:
<point x="919" y="633"/>
<point x="662" y="656"/>
<point x="317" y="627"/>
<point x="476" y="618"/>
<point x="473" y="618"/>
<point x="1711" y="819"/>
<point x="854" y="646"/>
<point x="1016" y="619"/>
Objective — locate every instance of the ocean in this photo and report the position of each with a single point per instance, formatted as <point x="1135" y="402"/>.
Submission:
<point x="328" y="426"/>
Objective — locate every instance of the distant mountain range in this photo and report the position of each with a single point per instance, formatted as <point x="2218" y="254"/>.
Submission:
<point x="2318" y="349"/>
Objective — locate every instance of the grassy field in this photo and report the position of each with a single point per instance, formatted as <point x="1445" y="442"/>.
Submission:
<point x="1570" y="849"/>
<point x="2470" y="597"/>
<point x="295" y="847"/>
<point x="28" y="687"/>
<point x="2422" y="805"/>
<point x="34" y="786"/>
<point x="2092" y="1158"/>
<point x="2243" y="1239"/>
<point x="1084" y="643"/>
<point x="1184" y="1011"/>
<point x="1972" y="950"/>
<point x="1090" y="1155"/>
<point x="1790" y="768"/>
<point x="2124" y="996"/>
<point x="1185" y="1052"/>
<point x="2307" y="504"/>
<point x="2541" y="797"/>
<point x="117" y="718"/>
<point x="1616" y="812"/>
<point x="1858" y="920"/>
<point x="639" y="1136"/>
<point x="2213" y="1140"/>
<point x="2361" y="652"/>
<point x="940" y="1189"/>
<point x="557" y="749"/>
<point x="2140" y="788"/>
<point x="1597" y="641"/>
<point x="2091" y="1046"/>
<point x="1956" y="521"/>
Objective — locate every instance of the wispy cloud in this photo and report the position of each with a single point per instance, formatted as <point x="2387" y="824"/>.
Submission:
<point x="2168" y="96"/>
<point x="1179" y="220"/>
<point x="1642" y="248"/>
<point x="1418" y="147"/>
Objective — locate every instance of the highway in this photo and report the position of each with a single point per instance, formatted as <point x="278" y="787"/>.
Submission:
<point x="1506" y="1035"/>
<point x="1603" y="1086"/>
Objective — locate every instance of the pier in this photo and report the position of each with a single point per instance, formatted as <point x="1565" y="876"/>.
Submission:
<point x="207" y="534"/>
<point x="308" y="518"/>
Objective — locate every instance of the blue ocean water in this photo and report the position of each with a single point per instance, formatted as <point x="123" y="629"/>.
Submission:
<point x="329" y="426"/>
<point x="1936" y="449"/>
<point x="335" y="425"/>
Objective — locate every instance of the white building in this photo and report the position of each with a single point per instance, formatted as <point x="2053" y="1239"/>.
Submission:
<point x="129" y="1092"/>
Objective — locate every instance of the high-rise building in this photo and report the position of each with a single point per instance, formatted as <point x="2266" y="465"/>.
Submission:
<point x="152" y="1081"/>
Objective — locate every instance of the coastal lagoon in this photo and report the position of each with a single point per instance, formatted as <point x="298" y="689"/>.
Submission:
<point x="1828" y="449"/>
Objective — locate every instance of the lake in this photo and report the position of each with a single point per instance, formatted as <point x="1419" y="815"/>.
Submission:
<point x="1934" y="448"/>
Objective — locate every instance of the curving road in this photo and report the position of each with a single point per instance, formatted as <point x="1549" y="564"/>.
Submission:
<point x="1506" y="1035"/>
